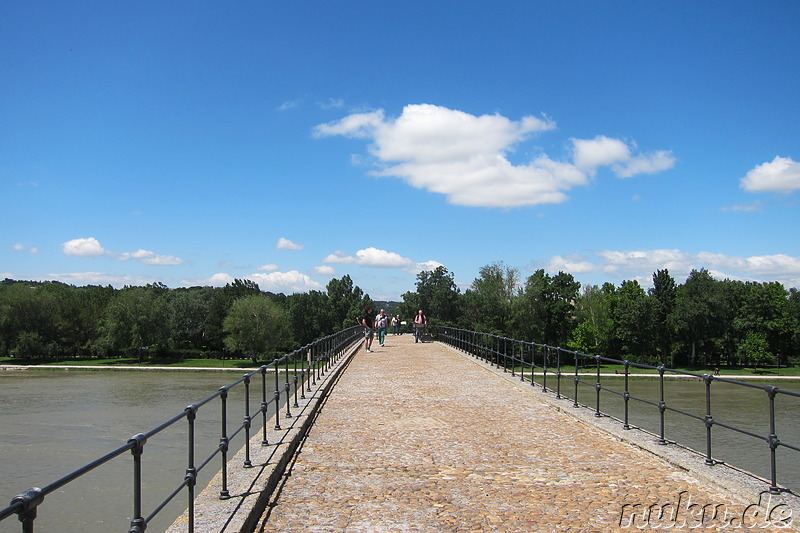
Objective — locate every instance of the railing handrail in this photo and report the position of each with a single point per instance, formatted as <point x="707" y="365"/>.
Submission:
<point x="314" y="359"/>
<point x="487" y="346"/>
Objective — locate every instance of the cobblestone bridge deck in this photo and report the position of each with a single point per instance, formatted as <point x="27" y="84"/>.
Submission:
<point x="419" y="437"/>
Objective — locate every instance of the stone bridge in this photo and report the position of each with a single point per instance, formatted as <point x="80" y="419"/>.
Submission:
<point x="420" y="437"/>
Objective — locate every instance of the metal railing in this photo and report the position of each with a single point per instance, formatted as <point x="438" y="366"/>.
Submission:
<point x="529" y="358"/>
<point x="290" y="377"/>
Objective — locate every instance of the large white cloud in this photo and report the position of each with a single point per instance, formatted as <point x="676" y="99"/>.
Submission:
<point x="782" y="174"/>
<point x="465" y="157"/>
<point x="87" y="247"/>
<point x="285" y="282"/>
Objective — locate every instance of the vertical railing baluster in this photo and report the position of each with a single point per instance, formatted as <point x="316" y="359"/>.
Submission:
<point x="662" y="406"/>
<point x="264" y="405"/>
<point x="626" y="396"/>
<point x="545" y="357"/>
<point x="708" y="420"/>
<point x="597" y="388"/>
<point x="138" y="524"/>
<point x="773" y="442"/>
<point x="191" y="470"/>
<point x="577" y="380"/>
<point x="247" y="421"/>
<point x="558" y="373"/>
<point x="223" y="443"/>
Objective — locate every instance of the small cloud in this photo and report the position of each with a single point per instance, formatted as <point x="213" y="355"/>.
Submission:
<point x="290" y="104"/>
<point x="268" y="268"/>
<point x="220" y="279"/>
<point x="425" y="266"/>
<point x="19" y="247"/>
<point x="339" y="257"/>
<point x="332" y="103"/>
<point x="782" y="174"/>
<point x="324" y="270"/>
<point x="88" y="247"/>
<point x="150" y="258"/>
<point x="744" y="208"/>
<point x="286" y="244"/>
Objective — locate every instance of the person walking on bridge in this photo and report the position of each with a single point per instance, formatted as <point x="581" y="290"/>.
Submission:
<point x="382" y="324"/>
<point x="369" y="325"/>
<point x="420" y="321"/>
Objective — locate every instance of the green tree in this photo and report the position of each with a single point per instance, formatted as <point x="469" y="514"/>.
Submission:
<point x="437" y="295"/>
<point x="595" y="331"/>
<point x="345" y="302"/>
<point x="695" y="314"/>
<point x="136" y="321"/>
<point x="632" y="320"/>
<point x="544" y="309"/>
<point x="310" y="316"/>
<point x="256" y="326"/>
<point x="488" y="301"/>
<point x="663" y="295"/>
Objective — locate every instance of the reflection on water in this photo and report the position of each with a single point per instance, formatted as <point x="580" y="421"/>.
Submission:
<point x="55" y="422"/>
<point x="737" y="406"/>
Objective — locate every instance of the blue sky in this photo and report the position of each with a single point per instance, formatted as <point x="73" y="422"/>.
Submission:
<point x="192" y="143"/>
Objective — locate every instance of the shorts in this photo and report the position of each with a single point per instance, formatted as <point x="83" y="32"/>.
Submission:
<point x="368" y="333"/>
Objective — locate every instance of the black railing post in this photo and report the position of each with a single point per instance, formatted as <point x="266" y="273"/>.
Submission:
<point x="30" y="500"/>
<point x="558" y="373"/>
<point x="223" y="443"/>
<point x="264" y="404"/>
<point x="708" y="420"/>
<point x="247" y="421"/>
<point x="597" y="387"/>
<point x="191" y="471"/>
<point x="138" y="524"/>
<point x="577" y="380"/>
<point x="545" y="358"/>
<point x="773" y="442"/>
<point x="662" y="405"/>
<point x="626" y="396"/>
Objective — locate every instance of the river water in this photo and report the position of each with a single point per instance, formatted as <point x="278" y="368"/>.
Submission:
<point x="53" y="422"/>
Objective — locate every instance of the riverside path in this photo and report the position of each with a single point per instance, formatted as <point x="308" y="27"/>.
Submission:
<point x="419" y="437"/>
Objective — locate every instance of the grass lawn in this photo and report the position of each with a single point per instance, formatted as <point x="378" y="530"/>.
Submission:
<point x="132" y="361"/>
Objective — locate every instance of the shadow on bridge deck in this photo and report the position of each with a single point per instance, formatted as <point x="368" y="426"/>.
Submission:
<point x="418" y="437"/>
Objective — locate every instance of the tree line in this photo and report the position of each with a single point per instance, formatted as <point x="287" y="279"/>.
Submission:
<point x="51" y="320"/>
<point x="702" y="322"/>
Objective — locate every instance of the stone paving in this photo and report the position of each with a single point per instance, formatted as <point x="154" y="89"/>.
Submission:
<point x="418" y="437"/>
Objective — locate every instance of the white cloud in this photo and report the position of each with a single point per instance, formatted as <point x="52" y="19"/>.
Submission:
<point x="373" y="257"/>
<point x="782" y="174"/>
<point x="150" y="258"/>
<point x="19" y="247"/>
<point x="285" y="282"/>
<point x="268" y="268"/>
<point x="87" y="247"/>
<point x="641" y="264"/>
<point x="743" y="208"/>
<point x="464" y="156"/>
<point x="425" y="266"/>
<point x="290" y="104"/>
<point x="220" y="279"/>
<point x="91" y="247"/>
<point x="324" y="270"/>
<point x="339" y="257"/>
<point x="101" y="278"/>
<point x="286" y="244"/>
<point x="588" y="154"/>
<point x="644" y="164"/>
